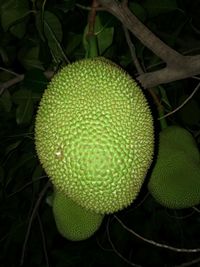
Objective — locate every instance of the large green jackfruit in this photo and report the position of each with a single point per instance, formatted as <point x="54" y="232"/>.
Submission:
<point x="94" y="135"/>
<point x="175" y="179"/>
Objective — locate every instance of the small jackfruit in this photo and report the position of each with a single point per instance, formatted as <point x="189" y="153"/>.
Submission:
<point x="74" y="222"/>
<point x="178" y="137"/>
<point x="94" y="135"/>
<point x="175" y="179"/>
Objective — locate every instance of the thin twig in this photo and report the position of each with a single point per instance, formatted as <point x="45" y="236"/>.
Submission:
<point x="11" y="82"/>
<point x="101" y="246"/>
<point x="138" y="205"/>
<point x="41" y="195"/>
<point x="189" y="263"/>
<point x="10" y="71"/>
<point x="26" y="185"/>
<point x="196" y="77"/>
<point x="88" y="8"/>
<point x="115" y="250"/>
<point x="183" y="250"/>
<point x="196" y="209"/>
<point x="156" y="99"/>
<point x="48" y="74"/>
<point x="181" y="217"/>
<point x="183" y="104"/>
<point x="43" y="240"/>
<point x="132" y="51"/>
<point x="58" y="44"/>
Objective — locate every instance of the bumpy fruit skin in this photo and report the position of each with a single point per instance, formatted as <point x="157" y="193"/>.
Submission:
<point x="176" y="137"/>
<point x="175" y="179"/>
<point x="94" y="135"/>
<point x="74" y="222"/>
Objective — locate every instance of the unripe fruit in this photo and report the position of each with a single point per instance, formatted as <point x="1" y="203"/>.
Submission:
<point x="175" y="179"/>
<point x="74" y="222"/>
<point x="94" y="135"/>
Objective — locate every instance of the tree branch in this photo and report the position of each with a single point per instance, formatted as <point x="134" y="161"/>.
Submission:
<point x="130" y="21"/>
<point x="132" y="51"/>
<point x="187" y="67"/>
<point x="183" y="104"/>
<point x="11" y="82"/>
<point x="34" y="212"/>
<point x="156" y="244"/>
<point x="177" y="66"/>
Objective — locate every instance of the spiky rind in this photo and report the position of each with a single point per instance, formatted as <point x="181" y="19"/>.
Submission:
<point x="74" y="222"/>
<point x="94" y="135"/>
<point x="179" y="138"/>
<point x="175" y="179"/>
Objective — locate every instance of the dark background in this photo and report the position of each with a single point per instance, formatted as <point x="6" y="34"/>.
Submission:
<point x="37" y="38"/>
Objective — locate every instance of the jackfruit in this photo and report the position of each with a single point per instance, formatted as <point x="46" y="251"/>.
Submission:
<point x="74" y="222"/>
<point x="175" y="179"/>
<point x="178" y="137"/>
<point x="94" y="135"/>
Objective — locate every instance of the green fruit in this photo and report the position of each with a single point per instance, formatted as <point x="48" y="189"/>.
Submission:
<point x="175" y="179"/>
<point x="176" y="137"/>
<point x="74" y="222"/>
<point x="94" y="135"/>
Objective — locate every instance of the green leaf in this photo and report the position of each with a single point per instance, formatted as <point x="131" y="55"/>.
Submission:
<point x="36" y="81"/>
<point x="12" y="11"/>
<point x="25" y="159"/>
<point x="12" y="147"/>
<point x="189" y="114"/>
<point x="51" y="30"/>
<point x="157" y="7"/>
<point x="5" y="101"/>
<point x="53" y="22"/>
<point x="19" y="29"/>
<point x="104" y="36"/>
<point x="105" y="39"/>
<point x="164" y="97"/>
<point x="24" y="111"/>
<point x="4" y="55"/>
<point x="73" y="43"/>
<point x="138" y="11"/>
<point x="38" y="171"/>
<point x="29" y="57"/>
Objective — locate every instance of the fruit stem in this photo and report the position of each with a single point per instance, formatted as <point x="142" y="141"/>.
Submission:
<point x="92" y="50"/>
<point x="163" y="122"/>
<point x="91" y="37"/>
